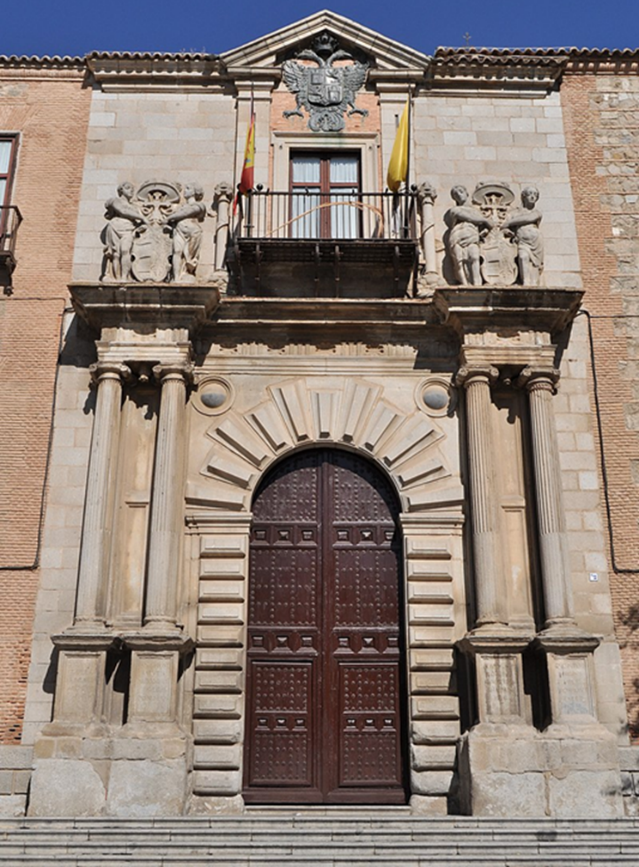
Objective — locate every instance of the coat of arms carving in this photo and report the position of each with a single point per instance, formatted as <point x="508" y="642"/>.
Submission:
<point x="328" y="90"/>
<point x="154" y="234"/>
<point x="489" y="242"/>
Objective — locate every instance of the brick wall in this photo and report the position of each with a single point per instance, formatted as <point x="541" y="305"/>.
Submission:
<point x="49" y="108"/>
<point x="601" y="116"/>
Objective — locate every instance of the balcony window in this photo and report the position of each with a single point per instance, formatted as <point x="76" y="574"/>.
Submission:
<point x="8" y="148"/>
<point x="325" y="192"/>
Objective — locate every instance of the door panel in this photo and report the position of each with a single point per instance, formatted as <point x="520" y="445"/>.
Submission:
<point x="324" y="650"/>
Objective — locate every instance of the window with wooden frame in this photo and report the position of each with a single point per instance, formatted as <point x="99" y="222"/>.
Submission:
<point x="325" y="188"/>
<point x="8" y="153"/>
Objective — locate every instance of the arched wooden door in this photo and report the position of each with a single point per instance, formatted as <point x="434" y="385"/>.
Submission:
<point x="324" y="673"/>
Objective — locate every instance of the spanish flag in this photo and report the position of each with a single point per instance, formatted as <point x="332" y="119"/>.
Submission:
<point x="247" y="180"/>
<point x="398" y="165"/>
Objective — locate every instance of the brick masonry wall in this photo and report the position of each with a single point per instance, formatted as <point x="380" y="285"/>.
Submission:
<point x="49" y="109"/>
<point x="601" y="117"/>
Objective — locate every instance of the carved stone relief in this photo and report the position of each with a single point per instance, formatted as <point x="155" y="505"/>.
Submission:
<point x="490" y="242"/>
<point x="154" y="234"/>
<point x="328" y="90"/>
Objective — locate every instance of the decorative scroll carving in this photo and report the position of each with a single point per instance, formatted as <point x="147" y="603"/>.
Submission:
<point x="325" y="92"/>
<point x="488" y="242"/>
<point x="153" y="235"/>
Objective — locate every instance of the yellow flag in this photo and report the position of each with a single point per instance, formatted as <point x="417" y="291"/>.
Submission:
<point x="398" y="165"/>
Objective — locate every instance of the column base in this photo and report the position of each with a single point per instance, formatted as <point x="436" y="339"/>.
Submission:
<point x="497" y="651"/>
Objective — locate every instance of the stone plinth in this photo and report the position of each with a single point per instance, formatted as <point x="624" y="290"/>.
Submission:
<point x="560" y="772"/>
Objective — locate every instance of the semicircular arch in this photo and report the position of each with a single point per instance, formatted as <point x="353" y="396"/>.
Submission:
<point x="297" y="413"/>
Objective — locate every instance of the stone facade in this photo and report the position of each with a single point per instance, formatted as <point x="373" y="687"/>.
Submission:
<point x="445" y="340"/>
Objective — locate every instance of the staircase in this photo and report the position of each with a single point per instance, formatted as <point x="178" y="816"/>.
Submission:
<point x="344" y="838"/>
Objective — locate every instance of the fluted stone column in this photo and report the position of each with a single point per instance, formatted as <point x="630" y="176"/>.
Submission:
<point x="477" y="383"/>
<point x="555" y="572"/>
<point x="167" y="501"/>
<point x="96" y="529"/>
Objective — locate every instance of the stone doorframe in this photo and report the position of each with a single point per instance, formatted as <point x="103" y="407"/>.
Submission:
<point x="351" y="416"/>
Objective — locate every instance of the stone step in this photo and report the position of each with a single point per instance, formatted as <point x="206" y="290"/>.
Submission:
<point x="350" y="838"/>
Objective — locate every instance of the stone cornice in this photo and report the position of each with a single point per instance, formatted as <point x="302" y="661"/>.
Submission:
<point x="144" y="305"/>
<point x="137" y="71"/>
<point x="473" y="308"/>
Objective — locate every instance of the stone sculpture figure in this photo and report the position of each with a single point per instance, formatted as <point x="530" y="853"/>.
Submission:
<point x="524" y="223"/>
<point x="186" y="223"/>
<point x="465" y="223"/>
<point x="120" y="232"/>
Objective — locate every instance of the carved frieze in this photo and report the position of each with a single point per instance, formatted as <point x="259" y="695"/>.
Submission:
<point x="154" y="233"/>
<point x="324" y="90"/>
<point x="490" y="242"/>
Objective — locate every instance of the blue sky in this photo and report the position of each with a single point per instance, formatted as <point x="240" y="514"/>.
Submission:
<point x="78" y="26"/>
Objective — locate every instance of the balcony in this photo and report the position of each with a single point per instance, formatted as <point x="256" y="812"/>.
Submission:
<point x="323" y="245"/>
<point x="10" y="219"/>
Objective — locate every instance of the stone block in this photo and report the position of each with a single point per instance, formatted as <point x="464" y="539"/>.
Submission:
<point x="15" y="757"/>
<point x="501" y="794"/>
<point x="434" y="731"/>
<point x="433" y="757"/>
<point x="6" y="782"/>
<point x="431" y="782"/>
<point x="21" y="780"/>
<point x="424" y="805"/>
<point x="12" y="806"/>
<point x="220" y="757"/>
<point x="586" y="794"/>
<point x="66" y="787"/>
<point x="144" y="789"/>
<point x="222" y="783"/>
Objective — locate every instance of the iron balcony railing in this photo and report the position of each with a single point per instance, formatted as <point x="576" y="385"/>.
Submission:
<point x="307" y="214"/>
<point x="10" y="219"/>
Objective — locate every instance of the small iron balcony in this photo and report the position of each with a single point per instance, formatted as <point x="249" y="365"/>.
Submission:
<point x="309" y="243"/>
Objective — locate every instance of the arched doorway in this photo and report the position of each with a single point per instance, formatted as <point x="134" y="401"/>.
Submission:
<point x="325" y="661"/>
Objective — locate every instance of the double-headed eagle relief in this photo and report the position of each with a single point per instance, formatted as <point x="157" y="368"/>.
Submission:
<point x="153" y="234"/>
<point x="490" y="242"/>
<point x="328" y="90"/>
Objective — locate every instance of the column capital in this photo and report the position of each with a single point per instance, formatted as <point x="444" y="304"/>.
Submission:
<point x="426" y="193"/>
<point x="539" y="379"/>
<point x="467" y="374"/>
<point x="175" y="370"/>
<point x="102" y="370"/>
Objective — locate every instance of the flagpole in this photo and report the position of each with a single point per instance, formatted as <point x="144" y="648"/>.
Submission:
<point x="410" y="112"/>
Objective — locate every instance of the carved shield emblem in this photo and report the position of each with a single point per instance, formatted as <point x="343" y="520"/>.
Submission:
<point x="325" y="87"/>
<point x="152" y="255"/>
<point x="499" y="260"/>
<point x="152" y="247"/>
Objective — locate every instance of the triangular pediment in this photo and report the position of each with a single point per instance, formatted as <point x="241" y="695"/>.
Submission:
<point x="271" y="50"/>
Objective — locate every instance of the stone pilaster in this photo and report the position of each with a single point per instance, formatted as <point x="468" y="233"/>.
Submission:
<point x="477" y="383"/>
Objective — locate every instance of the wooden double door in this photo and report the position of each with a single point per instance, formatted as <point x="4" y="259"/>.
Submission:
<point x="324" y="673"/>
